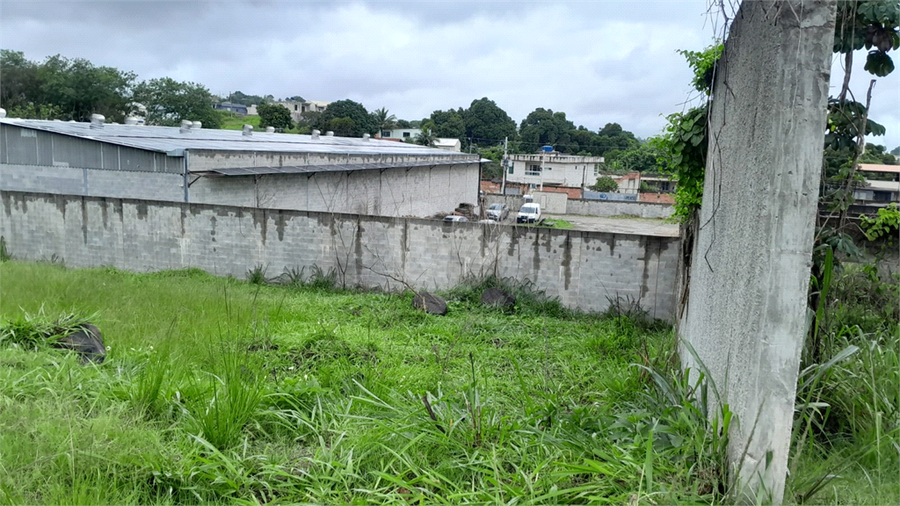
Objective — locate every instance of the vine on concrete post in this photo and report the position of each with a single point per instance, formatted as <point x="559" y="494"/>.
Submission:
<point x="684" y="145"/>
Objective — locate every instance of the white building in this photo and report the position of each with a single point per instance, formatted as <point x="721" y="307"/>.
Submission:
<point x="401" y="134"/>
<point x="297" y="108"/>
<point x="554" y="169"/>
<point x="450" y="144"/>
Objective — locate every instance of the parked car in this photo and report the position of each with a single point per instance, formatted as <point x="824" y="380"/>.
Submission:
<point x="454" y="217"/>
<point x="498" y="212"/>
<point x="529" y="213"/>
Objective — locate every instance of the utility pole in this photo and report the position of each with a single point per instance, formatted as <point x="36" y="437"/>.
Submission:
<point x="504" y="165"/>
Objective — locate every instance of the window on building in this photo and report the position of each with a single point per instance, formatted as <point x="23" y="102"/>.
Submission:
<point x="405" y="134"/>
<point x="533" y="169"/>
<point x="385" y="133"/>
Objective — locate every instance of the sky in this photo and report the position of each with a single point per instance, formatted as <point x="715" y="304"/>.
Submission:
<point x="599" y="61"/>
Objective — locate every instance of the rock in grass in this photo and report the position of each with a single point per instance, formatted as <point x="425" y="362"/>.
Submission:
<point x="431" y="303"/>
<point x="497" y="298"/>
<point x="87" y="341"/>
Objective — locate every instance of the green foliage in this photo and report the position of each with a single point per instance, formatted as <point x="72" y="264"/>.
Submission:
<point x="641" y="157"/>
<point x="274" y="115"/>
<point x="544" y="127"/>
<point x="37" y="331"/>
<point x="383" y="119"/>
<point x="168" y="102"/>
<point x="35" y="111"/>
<point x="871" y="24"/>
<point x="683" y="149"/>
<point x="346" y="118"/>
<point x="488" y="124"/>
<point x="605" y="184"/>
<point x="492" y="169"/>
<point x="426" y="137"/>
<point x="845" y="124"/>
<point x="449" y="124"/>
<point x="5" y="255"/>
<point x="221" y="404"/>
<point x="63" y="88"/>
<point x="238" y="97"/>
<point x="703" y="63"/>
<point x="846" y="394"/>
<point x="884" y="225"/>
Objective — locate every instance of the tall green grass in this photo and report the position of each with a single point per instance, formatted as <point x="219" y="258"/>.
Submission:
<point x="222" y="391"/>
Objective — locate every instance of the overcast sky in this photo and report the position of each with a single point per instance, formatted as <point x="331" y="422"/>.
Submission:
<point x="597" y="61"/>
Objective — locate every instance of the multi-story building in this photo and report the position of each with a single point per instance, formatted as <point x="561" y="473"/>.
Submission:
<point x="554" y="169"/>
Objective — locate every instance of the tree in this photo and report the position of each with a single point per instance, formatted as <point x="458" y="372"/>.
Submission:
<point x="605" y="184"/>
<point x="449" y="124"/>
<point x="611" y="137"/>
<point x="361" y="122"/>
<point x="168" y="102"/>
<point x="487" y="123"/>
<point x="640" y="157"/>
<point x="383" y="119"/>
<point x="402" y="123"/>
<point x="425" y="137"/>
<point x="274" y="115"/>
<point x="62" y="88"/>
<point x="19" y="85"/>
<point x="542" y="127"/>
<point x="242" y="98"/>
<point x="308" y="121"/>
<point x="342" y="127"/>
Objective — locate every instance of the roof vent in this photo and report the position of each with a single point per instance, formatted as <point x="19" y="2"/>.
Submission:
<point x="185" y="126"/>
<point x="329" y="134"/>
<point x="97" y="120"/>
<point x="196" y="125"/>
<point x="248" y="130"/>
<point x="315" y="134"/>
<point x="2" y="112"/>
<point x="366" y="137"/>
<point x="130" y="120"/>
<point x="270" y="130"/>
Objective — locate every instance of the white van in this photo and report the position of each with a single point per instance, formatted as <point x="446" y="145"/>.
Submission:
<point x="529" y="213"/>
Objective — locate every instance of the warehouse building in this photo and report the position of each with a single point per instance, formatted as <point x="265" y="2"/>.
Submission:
<point x="244" y="168"/>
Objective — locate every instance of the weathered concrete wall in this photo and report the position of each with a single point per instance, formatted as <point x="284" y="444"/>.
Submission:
<point x="553" y="203"/>
<point x="594" y="207"/>
<point x="746" y="312"/>
<point x="421" y="191"/>
<point x="581" y="268"/>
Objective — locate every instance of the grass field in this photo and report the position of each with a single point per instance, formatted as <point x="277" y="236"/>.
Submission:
<point x="232" y="121"/>
<point x="223" y="391"/>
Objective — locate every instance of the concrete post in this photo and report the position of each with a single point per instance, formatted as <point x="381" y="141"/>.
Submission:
<point x="746" y="313"/>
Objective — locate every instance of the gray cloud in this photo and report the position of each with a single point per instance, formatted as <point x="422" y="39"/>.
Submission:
<point x="598" y="61"/>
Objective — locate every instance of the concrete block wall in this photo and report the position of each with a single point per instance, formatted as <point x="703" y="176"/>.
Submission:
<point x="92" y="182"/>
<point x="583" y="269"/>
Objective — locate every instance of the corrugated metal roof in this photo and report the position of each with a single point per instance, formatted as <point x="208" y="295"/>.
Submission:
<point x="171" y="140"/>
<point x="341" y="167"/>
